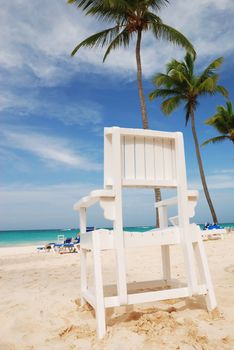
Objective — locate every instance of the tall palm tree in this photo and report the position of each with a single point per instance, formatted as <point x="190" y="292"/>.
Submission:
<point x="223" y="122"/>
<point x="180" y="85"/>
<point x="130" y="18"/>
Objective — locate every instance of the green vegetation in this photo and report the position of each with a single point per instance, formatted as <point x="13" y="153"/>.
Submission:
<point x="181" y="85"/>
<point x="223" y="122"/>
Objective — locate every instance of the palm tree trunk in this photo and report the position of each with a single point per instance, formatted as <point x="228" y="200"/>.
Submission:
<point x="202" y="174"/>
<point x="157" y="192"/>
<point x="139" y="82"/>
<point x="157" y="197"/>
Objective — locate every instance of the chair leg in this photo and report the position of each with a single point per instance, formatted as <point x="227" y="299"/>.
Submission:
<point x="98" y="285"/>
<point x="165" y="251"/>
<point x="83" y="273"/>
<point x="204" y="272"/>
<point x="190" y="265"/>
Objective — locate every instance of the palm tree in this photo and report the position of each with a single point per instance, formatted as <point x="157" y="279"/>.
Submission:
<point x="180" y="85"/>
<point x="223" y="122"/>
<point x="130" y="18"/>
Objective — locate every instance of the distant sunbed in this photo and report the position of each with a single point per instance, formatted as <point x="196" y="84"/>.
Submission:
<point x="46" y="248"/>
<point x="68" y="246"/>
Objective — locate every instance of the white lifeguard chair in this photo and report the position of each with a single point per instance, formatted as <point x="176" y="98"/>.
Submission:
<point x="140" y="158"/>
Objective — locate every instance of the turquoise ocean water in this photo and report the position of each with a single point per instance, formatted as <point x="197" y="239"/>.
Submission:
<point x="38" y="237"/>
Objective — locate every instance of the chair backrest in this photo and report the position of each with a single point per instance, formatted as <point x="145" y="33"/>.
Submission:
<point x="60" y="239"/>
<point x="143" y="158"/>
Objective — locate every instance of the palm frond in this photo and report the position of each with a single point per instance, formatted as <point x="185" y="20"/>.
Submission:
<point x="149" y="17"/>
<point x="208" y="85"/>
<point x="229" y="107"/>
<point x="173" y="64"/>
<point x="188" y="107"/>
<point x="189" y="61"/>
<point x="179" y="77"/>
<point x="163" y="93"/>
<point x="98" y="40"/>
<point x="210" y="70"/>
<point x="122" y="38"/>
<point x="163" y="31"/>
<point x="105" y="10"/>
<point x="157" y="4"/>
<point x="108" y="15"/>
<point x="223" y="120"/>
<point x="216" y="139"/>
<point x="211" y="121"/>
<point x="170" y="104"/>
<point x="93" y="4"/>
<point x="187" y="113"/>
<point x="163" y="79"/>
<point x="222" y="90"/>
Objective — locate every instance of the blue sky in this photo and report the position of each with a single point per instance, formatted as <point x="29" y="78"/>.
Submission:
<point x="53" y="109"/>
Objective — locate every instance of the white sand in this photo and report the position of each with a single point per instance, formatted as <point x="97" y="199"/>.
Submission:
<point x="39" y="304"/>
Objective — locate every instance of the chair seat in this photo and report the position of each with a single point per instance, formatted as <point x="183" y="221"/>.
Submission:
<point x="169" y="235"/>
<point x="166" y="236"/>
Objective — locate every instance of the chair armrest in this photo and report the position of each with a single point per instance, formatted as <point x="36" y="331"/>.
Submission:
<point x="166" y="202"/>
<point x="192" y="196"/>
<point x="93" y="198"/>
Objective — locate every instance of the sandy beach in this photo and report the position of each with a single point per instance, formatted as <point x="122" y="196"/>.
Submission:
<point x="40" y="304"/>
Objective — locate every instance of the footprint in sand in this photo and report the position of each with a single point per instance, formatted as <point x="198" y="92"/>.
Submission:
<point x="229" y="269"/>
<point x="81" y="331"/>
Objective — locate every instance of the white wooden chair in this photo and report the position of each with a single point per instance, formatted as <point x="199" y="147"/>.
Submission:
<point x="146" y="159"/>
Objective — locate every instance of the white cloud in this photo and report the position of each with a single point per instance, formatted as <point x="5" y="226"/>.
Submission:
<point x="72" y="113"/>
<point x="224" y="179"/>
<point x="208" y="23"/>
<point x="225" y="171"/>
<point x="34" y="206"/>
<point x="52" y="150"/>
<point x="41" y="44"/>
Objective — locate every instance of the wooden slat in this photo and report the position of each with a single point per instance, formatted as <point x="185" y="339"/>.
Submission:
<point x="152" y="238"/>
<point x="173" y="159"/>
<point x="149" y="183"/>
<point x="123" y="156"/>
<point x="140" y="157"/>
<point x="89" y="297"/>
<point x="158" y="154"/>
<point x="158" y="295"/>
<point x="129" y="161"/>
<point x="112" y="301"/>
<point x="108" y="158"/>
<point x="144" y="133"/>
<point x="149" y="159"/>
<point x="167" y="158"/>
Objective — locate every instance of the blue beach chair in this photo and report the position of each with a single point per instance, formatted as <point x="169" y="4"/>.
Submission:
<point x="68" y="246"/>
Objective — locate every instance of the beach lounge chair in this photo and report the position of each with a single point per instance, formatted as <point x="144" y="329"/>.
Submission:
<point x="67" y="246"/>
<point x="139" y="158"/>
<point x="46" y="248"/>
<point x="90" y="228"/>
<point x="215" y="232"/>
